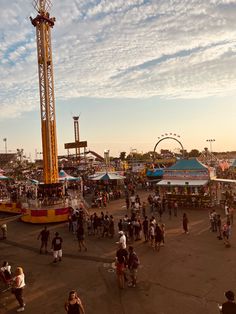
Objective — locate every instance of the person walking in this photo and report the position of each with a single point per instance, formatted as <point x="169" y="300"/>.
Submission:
<point x="158" y="237"/>
<point x="81" y="237"/>
<point x="18" y="287"/>
<point x="44" y="236"/>
<point x="57" y="248"/>
<point x="185" y="223"/>
<point x="133" y="264"/>
<point x="74" y="305"/>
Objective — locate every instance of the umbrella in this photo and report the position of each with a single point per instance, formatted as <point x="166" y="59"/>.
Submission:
<point x="104" y="176"/>
<point x="63" y="176"/>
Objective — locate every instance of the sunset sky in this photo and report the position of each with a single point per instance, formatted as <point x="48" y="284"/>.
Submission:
<point x="132" y="69"/>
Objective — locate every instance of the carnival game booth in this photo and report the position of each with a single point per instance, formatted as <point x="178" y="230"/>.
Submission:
<point x="186" y="182"/>
<point x="106" y="183"/>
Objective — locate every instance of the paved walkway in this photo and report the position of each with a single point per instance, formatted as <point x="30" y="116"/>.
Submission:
<point x="187" y="276"/>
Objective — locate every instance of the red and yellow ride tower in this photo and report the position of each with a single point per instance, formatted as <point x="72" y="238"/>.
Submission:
<point x="43" y="24"/>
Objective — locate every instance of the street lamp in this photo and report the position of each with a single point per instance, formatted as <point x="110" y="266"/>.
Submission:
<point x="211" y="141"/>
<point x="5" y="140"/>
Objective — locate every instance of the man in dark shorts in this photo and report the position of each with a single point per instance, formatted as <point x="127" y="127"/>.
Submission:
<point x="57" y="247"/>
<point x="44" y="236"/>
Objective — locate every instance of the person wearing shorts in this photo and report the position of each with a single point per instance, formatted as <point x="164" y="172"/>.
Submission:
<point x="57" y="247"/>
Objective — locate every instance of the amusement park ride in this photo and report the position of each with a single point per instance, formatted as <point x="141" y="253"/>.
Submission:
<point x="51" y="187"/>
<point x="43" y="24"/>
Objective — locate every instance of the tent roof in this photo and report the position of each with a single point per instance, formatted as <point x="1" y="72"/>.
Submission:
<point x="187" y="164"/>
<point x="106" y="176"/>
<point x="155" y="173"/>
<point x="65" y="176"/>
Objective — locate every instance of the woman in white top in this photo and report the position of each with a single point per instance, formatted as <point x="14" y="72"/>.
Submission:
<point x="18" y="286"/>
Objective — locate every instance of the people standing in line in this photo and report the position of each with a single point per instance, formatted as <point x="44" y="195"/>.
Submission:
<point x="81" y="237"/>
<point x="74" y="305"/>
<point x="185" y="223"/>
<point x="57" y="248"/>
<point x="228" y="307"/>
<point x="121" y="263"/>
<point x="18" y="287"/>
<point x="133" y="264"/>
<point x="44" y="236"/>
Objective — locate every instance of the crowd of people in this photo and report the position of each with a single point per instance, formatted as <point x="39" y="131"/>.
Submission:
<point x="144" y="221"/>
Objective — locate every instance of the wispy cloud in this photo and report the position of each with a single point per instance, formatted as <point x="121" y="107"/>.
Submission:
<point x="122" y="48"/>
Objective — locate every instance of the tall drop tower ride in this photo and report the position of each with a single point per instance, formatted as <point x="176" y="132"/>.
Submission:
<point x="43" y="24"/>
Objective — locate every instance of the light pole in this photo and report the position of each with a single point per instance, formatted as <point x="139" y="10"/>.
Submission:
<point x="211" y="141"/>
<point x="5" y="140"/>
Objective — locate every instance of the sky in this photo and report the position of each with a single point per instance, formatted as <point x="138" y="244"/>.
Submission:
<point x="132" y="69"/>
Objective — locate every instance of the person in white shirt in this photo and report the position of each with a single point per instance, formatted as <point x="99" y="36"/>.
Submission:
<point x="18" y="286"/>
<point x="122" y="240"/>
